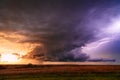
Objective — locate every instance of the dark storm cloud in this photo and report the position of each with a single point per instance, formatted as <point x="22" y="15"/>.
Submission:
<point x="60" y="26"/>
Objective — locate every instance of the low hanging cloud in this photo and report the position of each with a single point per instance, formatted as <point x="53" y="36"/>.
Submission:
<point x="59" y="28"/>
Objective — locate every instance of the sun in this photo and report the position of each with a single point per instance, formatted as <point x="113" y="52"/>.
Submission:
<point x="9" y="58"/>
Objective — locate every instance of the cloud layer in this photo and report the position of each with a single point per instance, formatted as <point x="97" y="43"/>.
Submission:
<point x="59" y="28"/>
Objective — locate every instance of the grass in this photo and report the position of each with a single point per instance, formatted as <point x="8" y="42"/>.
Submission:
<point x="56" y="72"/>
<point x="63" y="76"/>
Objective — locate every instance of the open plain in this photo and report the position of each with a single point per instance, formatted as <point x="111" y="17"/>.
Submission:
<point x="59" y="72"/>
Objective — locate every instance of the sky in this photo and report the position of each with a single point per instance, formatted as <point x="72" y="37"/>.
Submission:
<point x="60" y="30"/>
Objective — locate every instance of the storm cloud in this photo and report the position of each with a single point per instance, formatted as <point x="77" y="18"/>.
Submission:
<point x="58" y="27"/>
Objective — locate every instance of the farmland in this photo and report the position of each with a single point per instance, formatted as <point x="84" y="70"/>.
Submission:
<point x="59" y="72"/>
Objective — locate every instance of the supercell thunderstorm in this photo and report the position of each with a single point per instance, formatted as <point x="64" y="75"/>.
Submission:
<point x="61" y="30"/>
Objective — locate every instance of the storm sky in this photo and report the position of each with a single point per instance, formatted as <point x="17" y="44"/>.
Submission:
<point x="60" y="30"/>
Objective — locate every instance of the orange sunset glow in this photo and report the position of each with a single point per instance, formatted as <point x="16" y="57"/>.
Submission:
<point x="9" y="58"/>
<point x="10" y="44"/>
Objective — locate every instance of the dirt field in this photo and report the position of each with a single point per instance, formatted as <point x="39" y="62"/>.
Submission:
<point x="59" y="72"/>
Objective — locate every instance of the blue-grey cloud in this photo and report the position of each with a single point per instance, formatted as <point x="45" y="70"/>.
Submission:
<point x="60" y="26"/>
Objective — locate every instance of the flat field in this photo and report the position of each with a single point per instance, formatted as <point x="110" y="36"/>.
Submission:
<point x="59" y="72"/>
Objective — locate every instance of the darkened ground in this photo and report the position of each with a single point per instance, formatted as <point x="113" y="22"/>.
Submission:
<point x="59" y="72"/>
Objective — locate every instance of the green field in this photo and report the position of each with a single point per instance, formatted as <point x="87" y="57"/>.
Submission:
<point x="64" y="76"/>
<point x="64" y="73"/>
